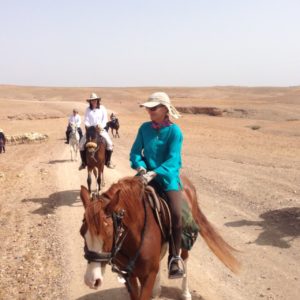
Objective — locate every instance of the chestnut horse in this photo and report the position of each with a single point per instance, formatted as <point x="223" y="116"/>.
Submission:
<point x="120" y="228"/>
<point x="95" y="157"/>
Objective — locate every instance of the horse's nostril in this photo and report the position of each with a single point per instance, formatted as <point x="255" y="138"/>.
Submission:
<point x="97" y="282"/>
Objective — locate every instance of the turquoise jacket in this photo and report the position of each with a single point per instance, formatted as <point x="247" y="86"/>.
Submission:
<point x="159" y="151"/>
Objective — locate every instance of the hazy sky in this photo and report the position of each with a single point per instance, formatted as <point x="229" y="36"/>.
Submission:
<point x="150" y="43"/>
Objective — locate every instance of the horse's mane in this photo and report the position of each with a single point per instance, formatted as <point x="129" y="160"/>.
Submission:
<point x="125" y="194"/>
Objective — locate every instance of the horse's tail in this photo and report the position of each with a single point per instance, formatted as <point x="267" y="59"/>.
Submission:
<point x="216" y="243"/>
<point x="212" y="238"/>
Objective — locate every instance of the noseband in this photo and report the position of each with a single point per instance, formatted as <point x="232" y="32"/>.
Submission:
<point x="118" y="239"/>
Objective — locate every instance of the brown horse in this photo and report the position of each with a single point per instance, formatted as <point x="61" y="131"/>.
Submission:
<point x="95" y="157"/>
<point x="113" y="124"/>
<point x="120" y="228"/>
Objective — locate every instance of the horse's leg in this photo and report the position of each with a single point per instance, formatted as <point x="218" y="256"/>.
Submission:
<point x="147" y="284"/>
<point x="102" y="181"/>
<point x="76" y="150"/>
<point x="89" y="180"/>
<point x="157" y="288"/>
<point x="71" y="151"/>
<point x="134" y="288"/>
<point x="99" y="181"/>
<point x="96" y="177"/>
<point x="186" y="295"/>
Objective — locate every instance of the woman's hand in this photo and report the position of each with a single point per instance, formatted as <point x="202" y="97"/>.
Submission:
<point x="148" y="177"/>
<point x="141" y="171"/>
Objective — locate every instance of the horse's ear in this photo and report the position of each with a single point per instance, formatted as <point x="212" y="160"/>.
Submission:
<point x="112" y="203"/>
<point x="85" y="196"/>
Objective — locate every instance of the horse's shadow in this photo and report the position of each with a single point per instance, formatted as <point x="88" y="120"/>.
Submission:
<point x="58" y="161"/>
<point x="121" y="293"/>
<point x="55" y="200"/>
<point x="280" y="227"/>
<point x="115" y="293"/>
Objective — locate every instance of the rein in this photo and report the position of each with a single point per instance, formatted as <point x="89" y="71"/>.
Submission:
<point x="93" y="153"/>
<point x="126" y="272"/>
<point x="118" y="239"/>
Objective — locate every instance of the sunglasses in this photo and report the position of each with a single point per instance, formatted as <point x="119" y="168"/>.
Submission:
<point x="154" y="108"/>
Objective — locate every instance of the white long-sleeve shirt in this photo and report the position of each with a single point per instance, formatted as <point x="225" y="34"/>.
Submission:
<point x="97" y="116"/>
<point x="75" y="119"/>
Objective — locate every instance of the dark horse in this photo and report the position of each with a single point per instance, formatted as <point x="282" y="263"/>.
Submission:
<point x="95" y="156"/>
<point x="113" y="125"/>
<point x="2" y="142"/>
<point x="120" y="228"/>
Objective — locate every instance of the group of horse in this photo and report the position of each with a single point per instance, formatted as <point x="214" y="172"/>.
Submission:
<point x="122" y="228"/>
<point x="74" y="138"/>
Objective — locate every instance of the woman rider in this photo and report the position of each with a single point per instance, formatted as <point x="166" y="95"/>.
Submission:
<point x="156" y="153"/>
<point x="96" y="115"/>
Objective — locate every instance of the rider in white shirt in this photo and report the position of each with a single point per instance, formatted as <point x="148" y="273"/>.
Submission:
<point x="96" y="115"/>
<point x="75" y="119"/>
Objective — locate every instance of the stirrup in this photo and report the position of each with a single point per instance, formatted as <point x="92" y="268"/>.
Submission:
<point x="177" y="272"/>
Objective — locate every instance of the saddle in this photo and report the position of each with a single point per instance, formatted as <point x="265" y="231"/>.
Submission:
<point x="158" y="200"/>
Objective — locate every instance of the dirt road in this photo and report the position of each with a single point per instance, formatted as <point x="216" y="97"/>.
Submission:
<point x="248" y="187"/>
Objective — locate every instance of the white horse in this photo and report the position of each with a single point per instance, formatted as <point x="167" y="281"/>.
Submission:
<point x="74" y="141"/>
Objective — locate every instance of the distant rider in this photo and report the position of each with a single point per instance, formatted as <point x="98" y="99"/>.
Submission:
<point x="2" y="141"/>
<point x="96" y="115"/>
<point x="74" y="119"/>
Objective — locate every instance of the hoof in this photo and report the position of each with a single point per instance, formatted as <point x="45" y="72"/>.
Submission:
<point x="186" y="296"/>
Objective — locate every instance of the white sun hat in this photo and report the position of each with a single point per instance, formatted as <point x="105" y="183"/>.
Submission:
<point x="161" y="98"/>
<point x="93" y="96"/>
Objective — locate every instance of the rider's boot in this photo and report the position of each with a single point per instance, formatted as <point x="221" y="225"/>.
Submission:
<point x="175" y="270"/>
<point x="108" y="162"/>
<point x="175" y="263"/>
<point x="67" y="138"/>
<point x="83" y="160"/>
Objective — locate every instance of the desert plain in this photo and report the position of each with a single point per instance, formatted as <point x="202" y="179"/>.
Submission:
<point x="244" y="162"/>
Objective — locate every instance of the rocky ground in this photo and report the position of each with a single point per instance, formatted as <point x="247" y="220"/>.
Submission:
<point x="245" y="163"/>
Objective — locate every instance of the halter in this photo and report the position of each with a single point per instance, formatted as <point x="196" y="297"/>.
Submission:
<point x="118" y="239"/>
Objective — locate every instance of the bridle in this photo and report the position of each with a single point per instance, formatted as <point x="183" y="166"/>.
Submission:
<point x="118" y="239"/>
<point x="119" y="235"/>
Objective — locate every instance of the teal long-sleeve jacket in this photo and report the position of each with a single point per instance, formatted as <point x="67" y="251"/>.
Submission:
<point x="159" y="150"/>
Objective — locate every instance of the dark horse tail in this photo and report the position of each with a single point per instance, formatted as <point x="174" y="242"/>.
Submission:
<point x="212" y="238"/>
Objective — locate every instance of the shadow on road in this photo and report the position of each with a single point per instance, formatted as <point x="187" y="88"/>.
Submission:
<point x="55" y="200"/>
<point x="59" y="161"/>
<point x="121" y="293"/>
<point x="280" y="227"/>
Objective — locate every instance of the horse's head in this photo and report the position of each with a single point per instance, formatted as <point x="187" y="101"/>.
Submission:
<point x="97" y="231"/>
<point x="121" y="199"/>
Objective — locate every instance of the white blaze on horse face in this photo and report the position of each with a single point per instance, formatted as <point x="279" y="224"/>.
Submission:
<point x="94" y="273"/>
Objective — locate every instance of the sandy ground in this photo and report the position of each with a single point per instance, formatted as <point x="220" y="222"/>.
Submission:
<point x="245" y="165"/>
